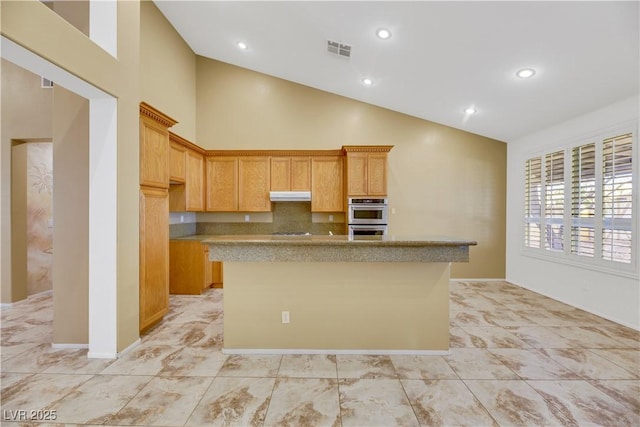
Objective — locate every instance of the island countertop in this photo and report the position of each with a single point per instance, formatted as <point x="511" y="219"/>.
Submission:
<point x="338" y="248"/>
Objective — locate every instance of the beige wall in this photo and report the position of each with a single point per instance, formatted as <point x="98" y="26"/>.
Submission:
<point x="26" y="116"/>
<point x="167" y="70"/>
<point x="71" y="213"/>
<point x="34" y="26"/>
<point x="441" y="180"/>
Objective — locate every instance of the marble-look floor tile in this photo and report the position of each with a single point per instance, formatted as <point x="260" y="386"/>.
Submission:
<point x="585" y="404"/>
<point x="532" y="364"/>
<point x="308" y="366"/>
<point x="477" y="363"/>
<point x="493" y="337"/>
<point x="365" y="366"/>
<point x="468" y="318"/>
<point x="39" y="391"/>
<point x="234" y="401"/>
<point x="250" y="366"/>
<point x="587" y="337"/>
<point x="193" y="362"/>
<point x="446" y="403"/>
<point x="99" y="399"/>
<point x="628" y="337"/>
<point x="627" y="392"/>
<point x="540" y="337"/>
<point x="588" y="364"/>
<point x="375" y="402"/>
<point x="44" y="358"/>
<point x="515" y="403"/>
<point x="422" y="367"/>
<point x="146" y="359"/>
<point x="165" y="401"/>
<point x="304" y="402"/>
<point x="628" y="359"/>
<point x="459" y="338"/>
<point x="11" y="350"/>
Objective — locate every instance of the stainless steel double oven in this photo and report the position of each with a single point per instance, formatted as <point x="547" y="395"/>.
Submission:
<point x="367" y="216"/>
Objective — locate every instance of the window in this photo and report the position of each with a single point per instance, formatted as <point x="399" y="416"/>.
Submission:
<point x="617" y="191"/>
<point x="533" y="202"/>
<point x="554" y="201"/>
<point x="588" y="190"/>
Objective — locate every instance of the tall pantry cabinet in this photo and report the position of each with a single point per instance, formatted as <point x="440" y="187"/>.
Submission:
<point x="154" y="215"/>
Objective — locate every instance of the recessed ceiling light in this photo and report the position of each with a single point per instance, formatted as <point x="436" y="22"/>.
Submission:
<point x="383" y="33"/>
<point x="367" y="81"/>
<point x="470" y="110"/>
<point x="526" y="73"/>
<point x="242" y="45"/>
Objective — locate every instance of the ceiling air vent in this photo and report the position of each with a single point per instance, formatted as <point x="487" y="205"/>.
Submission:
<point x="339" y="49"/>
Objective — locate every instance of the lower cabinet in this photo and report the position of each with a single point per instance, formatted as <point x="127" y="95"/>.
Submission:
<point x="190" y="270"/>
<point x="154" y="256"/>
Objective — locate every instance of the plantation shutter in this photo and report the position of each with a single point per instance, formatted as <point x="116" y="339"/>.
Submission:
<point x="554" y="201"/>
<point x="533" y="202"/>
<point x="617" y="194"/>
<point x="583" y="200"/>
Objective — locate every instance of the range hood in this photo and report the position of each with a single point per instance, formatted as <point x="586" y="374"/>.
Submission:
<point x="290" y="196"/>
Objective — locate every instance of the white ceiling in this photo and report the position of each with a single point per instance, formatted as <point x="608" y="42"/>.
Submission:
<point x="441" y="58"/>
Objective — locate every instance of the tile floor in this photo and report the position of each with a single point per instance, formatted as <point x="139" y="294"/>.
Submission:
<point x="517" y="358"/>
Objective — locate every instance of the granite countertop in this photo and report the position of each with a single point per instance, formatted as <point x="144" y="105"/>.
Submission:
<point x="335" y="240"/>
<point x="337" y="248"/>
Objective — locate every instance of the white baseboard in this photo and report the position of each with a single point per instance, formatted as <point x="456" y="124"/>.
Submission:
<point x="69" y="346"/>
<point x="334" y="351"/>
<point x="578" y="306"/>
<point x="478" y="280"/>
<point x="5" y="305"/>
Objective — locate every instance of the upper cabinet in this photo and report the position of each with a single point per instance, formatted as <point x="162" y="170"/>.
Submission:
<point x="253" y="184"/>
<point x="154" y="147"/>
<point x="366" y="169"/>
<point x="327" y="184"/>
<point x="291" y="173"/>
<point x="177" y="162"/>
<point x="186" y="192"/>
<point x="221" y="183"/>
<point x="238" y="183"/>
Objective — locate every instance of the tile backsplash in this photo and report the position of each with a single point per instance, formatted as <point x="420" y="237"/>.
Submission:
<point x="285" y="217"/>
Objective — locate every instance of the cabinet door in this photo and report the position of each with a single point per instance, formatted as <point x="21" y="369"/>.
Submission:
<point x="154" y="256"/>
<point x="194" y="188"/>
<point x="357" y="174"/>
<point x="280" y="174"/>
<point x="154" y="154"/>
<point x="253" y="183"/>
<point x="377" y="174"/>
<point x="177" y="163"/>
<point x="326" y="184"/>
<point x="222" y="184"/>
<point x="300" y="174"/>
<point x="207" y="267"/>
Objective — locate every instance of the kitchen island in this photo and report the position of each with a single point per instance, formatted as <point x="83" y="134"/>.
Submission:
<point x="369" y="294"/>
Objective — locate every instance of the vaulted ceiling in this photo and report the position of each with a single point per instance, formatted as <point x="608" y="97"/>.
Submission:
<point x="441" y="58"/>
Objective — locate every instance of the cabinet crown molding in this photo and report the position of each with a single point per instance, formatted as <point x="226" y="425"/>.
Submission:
<point x="185" y="143"/>
<point x="367" y="148"/>
<point x="272" y="153"/>
<point x="147" y="110"/>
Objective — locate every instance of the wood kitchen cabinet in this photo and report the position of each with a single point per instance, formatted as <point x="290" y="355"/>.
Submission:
<point x="221" y="184"/>
<point x="366" y="170"/>
<point x="238" y="184"/>
<point x="190" y="269"/>
<point x="327" y="184"/>
<point x="154" y="256"/>
<point x="253" y="184"/>
<point x="189" y="197"/>
<point x="154" y="147"/>
<point x="291" y="173"/>
<point x="177" y="163"/>
<point x="154" y="216"/>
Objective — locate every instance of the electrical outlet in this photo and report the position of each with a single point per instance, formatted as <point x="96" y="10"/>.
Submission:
<point x="181" y="218"/>
<point x="285" y="317"/>
<point x="246" y="218"/>
<point x="393" y="211"/>
<point x="330" y="218"/>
